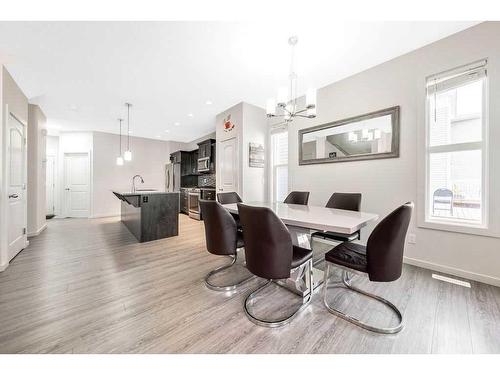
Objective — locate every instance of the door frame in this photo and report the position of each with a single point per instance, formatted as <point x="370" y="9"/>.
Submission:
<point x="4" y="243"/>
<point x="54" y="182"/>
<point x="64" y="203"/>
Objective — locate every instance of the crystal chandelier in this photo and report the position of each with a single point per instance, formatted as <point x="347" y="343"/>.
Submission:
<point x="286" y="100"/>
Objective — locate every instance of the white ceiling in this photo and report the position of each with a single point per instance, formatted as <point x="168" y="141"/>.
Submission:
<point x="82" y="73"/>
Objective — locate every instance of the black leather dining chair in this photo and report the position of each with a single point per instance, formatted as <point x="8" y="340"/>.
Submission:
<point x="222" y="238"/>
<point x="381" y="259"/>
<point x="228" y="198"/>
<point x="270" y="254"/>
<point x="342" y="201"/>
<point x="297" y="197"/>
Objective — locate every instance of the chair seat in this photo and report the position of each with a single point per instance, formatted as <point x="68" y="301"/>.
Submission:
<point x="334" y="236"/>
<point x="350" y="255"/>
<point x="300" y="256"/>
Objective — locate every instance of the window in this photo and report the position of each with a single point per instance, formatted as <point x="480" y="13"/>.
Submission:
<point x="456" y="147"/>
<point x="279" y="167"/>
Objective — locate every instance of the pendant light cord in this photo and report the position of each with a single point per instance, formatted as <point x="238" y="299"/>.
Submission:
<point x="120" y="120"/>
<point x="128" y="127"/>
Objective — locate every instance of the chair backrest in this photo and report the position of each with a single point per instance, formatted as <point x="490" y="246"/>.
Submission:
<point x="227" y="198"/>
<point x="385" y="246"/>
<point x="443" y="198"/>
<point x="220" y="228"/>
<point x="268" y="245"/>
<point x="345" y="201"/>
<point x="297" y="197"/>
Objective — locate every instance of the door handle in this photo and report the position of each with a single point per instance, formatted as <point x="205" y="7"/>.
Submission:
<point x="67" y="189"/>
<point x="13" y="196"/>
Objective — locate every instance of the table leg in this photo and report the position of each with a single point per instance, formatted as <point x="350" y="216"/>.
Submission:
<point x="302" y="237"/>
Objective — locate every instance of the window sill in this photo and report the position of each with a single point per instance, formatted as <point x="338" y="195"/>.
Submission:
<point x="459" y="228"/>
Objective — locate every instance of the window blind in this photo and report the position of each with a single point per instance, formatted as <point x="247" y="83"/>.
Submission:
<point x="455" y="78"/>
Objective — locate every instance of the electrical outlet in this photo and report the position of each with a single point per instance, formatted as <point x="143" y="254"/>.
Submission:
<point x="412" y="238"/>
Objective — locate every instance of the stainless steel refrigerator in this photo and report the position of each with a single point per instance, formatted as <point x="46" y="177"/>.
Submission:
<point x="173" y="177"/>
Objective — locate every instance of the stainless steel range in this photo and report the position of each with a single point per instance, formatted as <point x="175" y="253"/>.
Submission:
<point x="194" y="196"/>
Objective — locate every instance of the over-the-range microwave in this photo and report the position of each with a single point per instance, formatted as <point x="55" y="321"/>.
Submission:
<point x="204" y="164"/>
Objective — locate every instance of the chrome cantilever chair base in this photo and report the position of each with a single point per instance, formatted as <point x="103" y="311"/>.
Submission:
<point x="346" y="284"/>
<point x="225" y="288"/>
<point x="281" y="322"/>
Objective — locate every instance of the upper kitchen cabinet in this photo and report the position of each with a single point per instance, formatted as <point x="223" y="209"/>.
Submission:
<point x="187" y="160"/>
<point x="205" y="148"/>
<point x="206" y="156"/>
<point x="194" y="162"/>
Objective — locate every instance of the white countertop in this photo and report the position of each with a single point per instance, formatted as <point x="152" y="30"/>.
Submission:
<point x="314" y="217"/>
<point x="144" y="192"/>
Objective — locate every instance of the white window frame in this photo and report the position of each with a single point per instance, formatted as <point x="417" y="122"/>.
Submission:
<point x="449" y="224"/>
<point x="273" y="167"/>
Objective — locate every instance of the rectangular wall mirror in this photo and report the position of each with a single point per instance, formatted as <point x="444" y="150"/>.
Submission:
<point x="370" y="136"/>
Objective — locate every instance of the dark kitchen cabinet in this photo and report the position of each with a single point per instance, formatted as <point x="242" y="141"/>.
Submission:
<point x="205" y="148"/>
<point x="184" y="201"/>
<point x="194" y="162"/>
<point x="208" y="194"/>
<point x="176" y="157"/>
<point x="188" y="161"/>
<point x="186" y="164"/>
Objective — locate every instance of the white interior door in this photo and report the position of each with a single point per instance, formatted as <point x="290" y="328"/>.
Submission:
<point x="228" y="165"/>
<point x="50" y="184"/>
<point x="77" y="184"/>
<point x="16" y="182"/>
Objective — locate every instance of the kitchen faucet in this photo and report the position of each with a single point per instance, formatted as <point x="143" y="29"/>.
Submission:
<point x="133" y="181"/>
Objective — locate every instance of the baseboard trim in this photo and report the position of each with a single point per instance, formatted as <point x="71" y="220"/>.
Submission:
<point x="453" y="271"/>
<point x="40" y="230"/>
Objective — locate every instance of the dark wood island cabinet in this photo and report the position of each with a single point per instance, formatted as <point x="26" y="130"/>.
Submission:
<point x="150" y="215"/>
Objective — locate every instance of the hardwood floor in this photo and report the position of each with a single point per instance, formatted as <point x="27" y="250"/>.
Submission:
<point x="87" y="286"/>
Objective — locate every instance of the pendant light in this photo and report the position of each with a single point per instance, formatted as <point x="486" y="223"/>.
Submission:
<point x="119" y="159"/>
<point x="128" y="154"/>
<point x="287" y="99"/>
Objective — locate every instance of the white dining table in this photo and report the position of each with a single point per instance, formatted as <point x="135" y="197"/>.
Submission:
<point x="301" y="220"/>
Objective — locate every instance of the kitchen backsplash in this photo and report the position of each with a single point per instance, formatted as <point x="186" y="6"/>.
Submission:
<point x="206" y="180"/>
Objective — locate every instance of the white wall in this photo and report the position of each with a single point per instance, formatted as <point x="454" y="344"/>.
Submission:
<point x="193" y="145"/>
<point x="148" y="159"/>
<point x="36" y="170"/>
<point x="387" y="183"/>
<point x="250" y="126"/>
<point x="255" y="130"/>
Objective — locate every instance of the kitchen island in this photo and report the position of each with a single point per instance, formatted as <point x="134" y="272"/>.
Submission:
<point x="150" y="215"/>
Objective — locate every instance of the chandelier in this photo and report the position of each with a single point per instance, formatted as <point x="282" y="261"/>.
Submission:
<point x="286" y="100"/>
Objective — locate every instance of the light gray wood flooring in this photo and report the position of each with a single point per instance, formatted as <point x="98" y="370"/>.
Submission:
<point x="87" y="286"/>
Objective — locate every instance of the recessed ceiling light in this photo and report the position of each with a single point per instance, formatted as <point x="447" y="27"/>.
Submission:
<point x="190" y="115"/>
<point x="208" y="102"/>
<point x="158" y="136"/>
<point x="177" y="123"/>
<point x="130" y="132"/>
<point x="167" y="131"/>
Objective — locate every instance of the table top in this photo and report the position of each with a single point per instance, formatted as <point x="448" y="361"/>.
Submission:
<point x="314" y="217"/>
